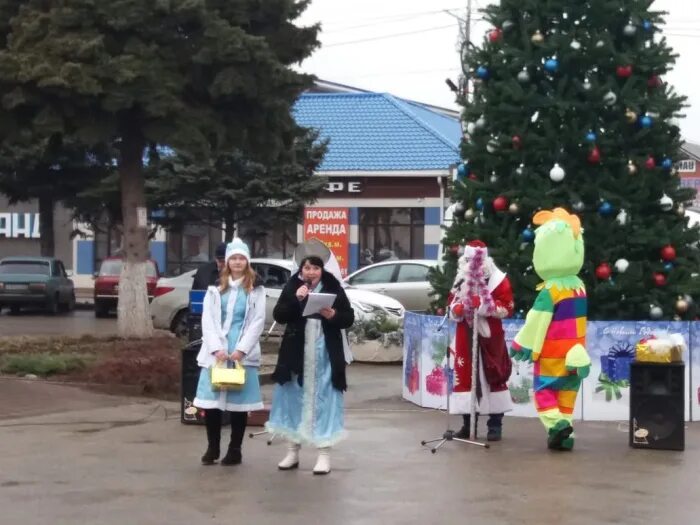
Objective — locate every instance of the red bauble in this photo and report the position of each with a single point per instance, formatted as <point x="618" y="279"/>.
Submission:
<point x="500" y="203"/>
<point x="454" y="249"/>
<point x="440" y="311"/>
<point x="659" y="279"/>
<point x="668" y="253"/>
<point x="517" y="142"/>
<point x="594" y="155"/>
<point x="495" y="35"/>
<point x="624" y="71"/>
<point x="458" y="310"/>
<point x="603" y="272"/>
<point x="654" y="82"/>
<point x="472" y="176"/>
<point x="650" y="163"/>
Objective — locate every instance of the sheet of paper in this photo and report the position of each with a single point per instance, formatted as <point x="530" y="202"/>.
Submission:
<point x="317" y="301"/>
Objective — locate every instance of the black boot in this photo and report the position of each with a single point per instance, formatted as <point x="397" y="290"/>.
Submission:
<point x="233" y="456"/>
<point x="495" y="426"/>
<point x="212" y="420"/>
<point x="465" y="431"/>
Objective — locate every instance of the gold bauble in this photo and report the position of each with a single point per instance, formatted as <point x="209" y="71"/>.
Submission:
<point x="469" y="214"/>
<point x="631" y="116"/>
<point x="514" y="208"/>
<point x="682" y="305"/>
<point x="537" y="38"/>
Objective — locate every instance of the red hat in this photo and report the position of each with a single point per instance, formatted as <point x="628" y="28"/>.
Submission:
<point x="476" y="244"/>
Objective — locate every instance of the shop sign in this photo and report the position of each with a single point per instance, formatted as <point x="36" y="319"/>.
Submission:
<point x="332" y="227"/>
<point x="19" y="225"/>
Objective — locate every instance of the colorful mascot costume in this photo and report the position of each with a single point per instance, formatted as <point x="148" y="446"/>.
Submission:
<point x="554" y="333"/>
<point x="481" y="286"/>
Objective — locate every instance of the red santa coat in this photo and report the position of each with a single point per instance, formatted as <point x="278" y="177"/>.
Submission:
<point x="493" y="396"/>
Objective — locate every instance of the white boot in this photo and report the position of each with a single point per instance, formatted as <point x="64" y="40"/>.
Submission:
<point x="323" y="463"/>
<point x="291" y="460"/>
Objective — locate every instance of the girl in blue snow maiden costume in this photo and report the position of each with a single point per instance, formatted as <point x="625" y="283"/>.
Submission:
<point x="233" y="318"/>
<point x="307" y="404"/>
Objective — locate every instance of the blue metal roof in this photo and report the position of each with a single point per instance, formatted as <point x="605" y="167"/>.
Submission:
<point x="379" y="132"/>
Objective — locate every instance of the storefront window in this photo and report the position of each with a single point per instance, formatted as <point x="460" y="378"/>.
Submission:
<point x="274" y="243"/>
<point x="391" y="234"/>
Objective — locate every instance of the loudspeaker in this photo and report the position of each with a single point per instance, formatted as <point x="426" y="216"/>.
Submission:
<point x="657" y="406"/>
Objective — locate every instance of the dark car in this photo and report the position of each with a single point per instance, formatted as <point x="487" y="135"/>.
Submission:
<point x="107" y="284"/>
<point x="35" y="281"/>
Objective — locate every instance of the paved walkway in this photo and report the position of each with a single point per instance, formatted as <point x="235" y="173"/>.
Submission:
<point x="133" y="462"/>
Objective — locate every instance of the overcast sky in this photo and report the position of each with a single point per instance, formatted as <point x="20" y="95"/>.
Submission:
<point x="422" y="50"/>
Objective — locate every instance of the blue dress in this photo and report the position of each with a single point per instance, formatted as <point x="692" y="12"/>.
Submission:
<point x="249" y="397"/>
<point x="312" y="414"/>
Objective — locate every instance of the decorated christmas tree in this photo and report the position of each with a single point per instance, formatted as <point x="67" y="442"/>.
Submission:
<point x="570" y="108"/>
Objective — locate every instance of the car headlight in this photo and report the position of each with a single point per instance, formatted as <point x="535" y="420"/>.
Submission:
<point x="368" y="308"/>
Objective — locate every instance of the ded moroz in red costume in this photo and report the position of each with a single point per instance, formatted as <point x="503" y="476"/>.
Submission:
<point x="493" y="396"/>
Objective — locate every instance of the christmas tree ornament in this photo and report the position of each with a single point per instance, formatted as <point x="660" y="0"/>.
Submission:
<point x="630" y="29"/>
<point x="605" y="209"/>
<point x="458" y="210"/>
<point x="647" y="25"/>
<point x="631" y="168"/>
<point x="557" y="173"/>
<point x="472" y="176"/>
<point x="688" y="299"/>
<point x="495" y="35"/>
<point x="481" y="122"/>
<point x="500" y="203"/>
<point x="482" y="72"/>
<point x="610" y="98"/>
<point x="469" y="214"/>
<point x="520" y="170"/>
<point x="528" y="235"/>
<point x="621" y="218"/>
<point x="646" y="121"/>
<point x="668" y="267"/>
<point x="514" y="209"/>
<point x="507" y="25"/>
<point x="493" y="178"/>
<point x="537" y="38"/>
<point x="680" y="210"/>
<point x="666" y="203"/>
<point x="654" y="82"/>
<point x="579" y="206"/>
<point x="659" y="279"/>
<point x="655" y="312"/>
<point x="668" y="253"/>
<point x="600" y="44"/>
<point x="603" y="271"/>
<point x="621" y="265"/>
<point x="454" y="249"/>
<point x="517" y="142"/>
<point x="631" y="116"/>
<point x="575" y="45"/>
<point x="551" y="65"/>
<point x="471" y="128"/>
<point x="650" y="163"/>
<point x="677" y="318"/>
<point x="524" y="76"/>
<point x="624" y="71"/>
<point x="587" y="86"/>
<point x="682" y="306"/>
<point x="594" y="156"/>
<point x="479" y="204"/>
<point x="463" y="170"/>
<point x="591" y="136"/>
<point x="667" y="164"/>
<point x="492" y="146"/>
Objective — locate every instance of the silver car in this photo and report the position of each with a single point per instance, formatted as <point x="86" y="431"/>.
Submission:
<point x="404" y="280"/>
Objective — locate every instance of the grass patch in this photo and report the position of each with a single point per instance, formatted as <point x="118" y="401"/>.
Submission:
<point x="45" y="364"/>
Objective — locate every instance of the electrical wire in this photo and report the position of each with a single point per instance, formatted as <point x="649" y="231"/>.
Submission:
<point x="385" y="37"/>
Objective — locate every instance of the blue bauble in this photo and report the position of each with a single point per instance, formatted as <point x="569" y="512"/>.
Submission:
<point x="551" y="65"/>
<point x="479" y="203"/>
<point x="482" y="72"/>
<point x="647" y="25"/>
<point x="591" y="136"/>
<point x="462" y="170"/>
<point x="606" y="209"/>
<point x="668" y="266"/>
<point x="646" y="121"/>
<point x="528" y="235"/>
<point x="667" y="164"/>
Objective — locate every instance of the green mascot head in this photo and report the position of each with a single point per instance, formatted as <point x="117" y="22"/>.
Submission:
<point x="558" y="244"/>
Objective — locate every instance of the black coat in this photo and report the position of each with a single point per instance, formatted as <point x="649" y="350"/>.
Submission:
<point x="206" y="275"/>
<point x="288" y="311"/>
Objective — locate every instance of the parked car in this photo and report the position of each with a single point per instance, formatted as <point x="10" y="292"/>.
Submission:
<point x="35" y="281"/>
<point x="404" y="280"/>
<point x="106" y="292"/>
<point x="170" y="307"/>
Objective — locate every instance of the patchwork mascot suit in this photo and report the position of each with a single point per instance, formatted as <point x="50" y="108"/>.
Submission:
<point x="554" y="333"/>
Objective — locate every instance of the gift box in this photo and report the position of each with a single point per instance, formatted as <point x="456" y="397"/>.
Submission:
<point x="663" y="349"/>
<point x="618" y="361"/>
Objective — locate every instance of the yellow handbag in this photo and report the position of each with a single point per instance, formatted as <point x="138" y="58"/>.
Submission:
<point x="224" y="378"/>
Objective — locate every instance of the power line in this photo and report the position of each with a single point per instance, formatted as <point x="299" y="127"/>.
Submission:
<point x="405" y="73"/>
<point x="384" y="22"/>
<point x="393" y="16"/>
<point x="392" y="35"/>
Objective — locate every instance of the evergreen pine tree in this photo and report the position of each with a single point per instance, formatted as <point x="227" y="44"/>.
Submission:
<point x="570" y="109"/>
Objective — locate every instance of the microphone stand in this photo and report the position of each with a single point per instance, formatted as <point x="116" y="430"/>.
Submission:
<point x="449" y="435"/>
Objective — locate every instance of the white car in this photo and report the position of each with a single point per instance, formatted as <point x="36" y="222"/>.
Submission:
<point x="170" y="306"/>
<point x="404" y="280"/>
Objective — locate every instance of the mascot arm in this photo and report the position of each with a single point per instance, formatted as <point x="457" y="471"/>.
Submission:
<point x="530" y="339"/>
